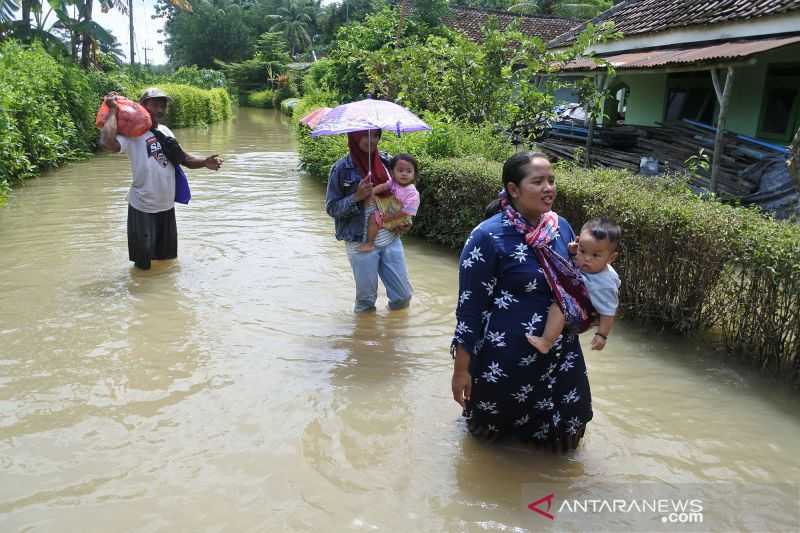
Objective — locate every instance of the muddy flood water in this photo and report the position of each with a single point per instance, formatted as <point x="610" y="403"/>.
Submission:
<point x="234" y="390"/>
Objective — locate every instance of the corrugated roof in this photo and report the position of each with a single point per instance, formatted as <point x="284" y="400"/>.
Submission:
<point x="664" y="57"/>
<point x="469" y="21"/>
<point x="634" y="17"/>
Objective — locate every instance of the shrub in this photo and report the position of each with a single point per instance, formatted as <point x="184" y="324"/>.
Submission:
<point x="260" y="99"/>
<point x="204" y="78"/>
<point x="46" y="112"/>
<point x="191" y="106"/>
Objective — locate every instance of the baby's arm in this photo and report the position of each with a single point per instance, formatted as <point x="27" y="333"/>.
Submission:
<point x="382" y="188"/>
<point x="605" y="300"/>
<point x="606" y="322"/>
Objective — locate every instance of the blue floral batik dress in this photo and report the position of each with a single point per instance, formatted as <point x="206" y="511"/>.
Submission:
<point x="503" y="295"/>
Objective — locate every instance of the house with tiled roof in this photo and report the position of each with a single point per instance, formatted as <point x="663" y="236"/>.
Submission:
<point x="734" y="62"/>
<point x="470" y="22"/>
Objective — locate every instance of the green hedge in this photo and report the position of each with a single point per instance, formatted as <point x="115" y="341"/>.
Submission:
<point x="260" y="99"/>
<point x="191" y="106"/>
<point x="688" y="264"/>
<point x="47" y="112"/>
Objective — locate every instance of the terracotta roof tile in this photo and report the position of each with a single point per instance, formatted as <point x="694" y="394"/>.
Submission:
<point x="634" y="17"/>
<point x="469" y="21"/>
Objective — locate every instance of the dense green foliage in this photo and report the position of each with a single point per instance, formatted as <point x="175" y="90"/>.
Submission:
<point x="228" y="30"/>
<point x="47" y="111"/>
<point x="435" y="69"/>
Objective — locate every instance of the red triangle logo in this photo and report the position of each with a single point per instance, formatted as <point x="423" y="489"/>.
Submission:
<point x="534" y="506"/>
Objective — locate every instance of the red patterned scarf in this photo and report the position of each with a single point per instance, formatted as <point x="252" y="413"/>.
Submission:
<point x="563" y="278"/>
<point x="362" y="160"/>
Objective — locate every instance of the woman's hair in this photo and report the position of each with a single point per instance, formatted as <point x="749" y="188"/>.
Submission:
<point x="513" y="173"/>
<point x="404" y="157"/>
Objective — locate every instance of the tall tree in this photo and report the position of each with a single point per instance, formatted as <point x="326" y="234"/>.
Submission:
<point x="215" y="30"/>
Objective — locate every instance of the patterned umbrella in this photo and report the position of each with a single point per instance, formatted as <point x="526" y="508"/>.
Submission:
<point x="312" y="119"/>
<point x="369" y="114"/>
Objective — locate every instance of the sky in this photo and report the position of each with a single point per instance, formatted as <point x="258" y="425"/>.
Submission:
<point x="145" y="30"/>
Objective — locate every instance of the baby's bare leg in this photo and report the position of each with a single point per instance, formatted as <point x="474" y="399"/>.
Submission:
<point x="553" y="327"/>
<point x="372" y="232"/>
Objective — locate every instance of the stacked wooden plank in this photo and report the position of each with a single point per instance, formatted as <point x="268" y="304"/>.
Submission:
<point x="672" y="145"/>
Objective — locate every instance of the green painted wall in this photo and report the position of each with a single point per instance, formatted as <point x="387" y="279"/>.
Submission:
<point x="748" y="93"/>
<point x="748" y="90"/>
<point x="648" y="93"/>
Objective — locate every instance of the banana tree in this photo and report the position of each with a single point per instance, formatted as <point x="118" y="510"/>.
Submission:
<point x="24" y="31"/>
<point x="75" y="19"/>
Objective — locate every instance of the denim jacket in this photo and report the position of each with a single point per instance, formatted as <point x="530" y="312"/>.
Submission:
<point x="340" y="203"/>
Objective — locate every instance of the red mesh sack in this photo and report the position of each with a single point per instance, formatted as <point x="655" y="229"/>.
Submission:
<point x="132" y="119"/>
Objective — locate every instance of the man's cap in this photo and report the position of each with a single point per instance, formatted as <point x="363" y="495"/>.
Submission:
<point x="154" y="92"/>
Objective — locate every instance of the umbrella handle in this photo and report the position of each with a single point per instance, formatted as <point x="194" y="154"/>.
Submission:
<point x="369" y="155"/>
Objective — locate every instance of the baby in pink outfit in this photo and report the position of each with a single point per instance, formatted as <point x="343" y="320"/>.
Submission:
<point x="397" y="208"/>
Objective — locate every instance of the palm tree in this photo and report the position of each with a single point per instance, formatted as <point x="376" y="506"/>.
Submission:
<point x="7" y="9"/>
<point x="294" y="21"/>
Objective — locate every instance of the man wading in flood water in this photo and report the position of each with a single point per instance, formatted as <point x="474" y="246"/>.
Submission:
<point x="152" y="231"/>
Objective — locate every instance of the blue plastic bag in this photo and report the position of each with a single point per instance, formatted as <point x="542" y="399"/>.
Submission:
<point x="182" y="192"/>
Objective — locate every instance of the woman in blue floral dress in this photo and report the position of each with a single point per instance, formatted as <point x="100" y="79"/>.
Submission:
<point x="504" y="385"/>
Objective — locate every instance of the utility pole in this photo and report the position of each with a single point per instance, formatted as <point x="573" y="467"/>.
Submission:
<point x="146" y="48"/>
<point x="130" y="25"/>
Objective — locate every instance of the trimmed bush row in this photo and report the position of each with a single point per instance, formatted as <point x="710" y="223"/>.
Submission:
<point x="689" y="264"/>
<point x="191" y="106"/>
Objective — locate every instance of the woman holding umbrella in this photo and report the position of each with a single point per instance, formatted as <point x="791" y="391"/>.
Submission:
<point x="351" y="182"/>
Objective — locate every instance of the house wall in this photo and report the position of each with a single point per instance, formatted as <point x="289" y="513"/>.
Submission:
<point x="748" y="90"/>
<point x="647" y="100"/>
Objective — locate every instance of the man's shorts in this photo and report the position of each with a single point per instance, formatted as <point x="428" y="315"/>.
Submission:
<point x="151" y="236"/>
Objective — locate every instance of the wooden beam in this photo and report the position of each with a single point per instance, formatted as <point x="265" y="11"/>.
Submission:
<point x="601" y="82"/>
<point x="718" y="87"/>
<point x="794" y="159"/>
<point x="724" y="97"/>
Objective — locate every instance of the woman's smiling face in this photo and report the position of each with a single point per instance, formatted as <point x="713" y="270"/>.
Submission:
<point x="536" y="192"/>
